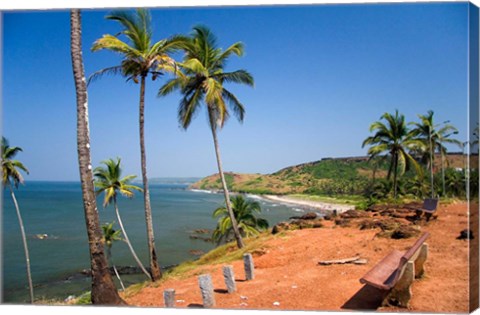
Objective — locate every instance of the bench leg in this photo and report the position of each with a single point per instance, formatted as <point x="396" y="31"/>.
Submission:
<point x="401" y="293"/>
<point x="419" y="262"/>
<point x="428" y="215"/>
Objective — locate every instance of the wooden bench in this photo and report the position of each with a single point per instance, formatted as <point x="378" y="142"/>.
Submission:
<point x="396" y="272"/>
<point x="429" y="207"/>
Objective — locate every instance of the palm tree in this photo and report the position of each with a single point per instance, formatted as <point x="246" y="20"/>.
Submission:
<point x="110" y="235"/>
<point x="434" y="140"/>
<point x="108" y="180"/>
<point x="141" y="59"/>
<point x="11" y="173"/>
<point x="394" y="139"/>
<point x="103" y="288"/>
<point x="202" y="81"/>
<point x="248" y="223"/>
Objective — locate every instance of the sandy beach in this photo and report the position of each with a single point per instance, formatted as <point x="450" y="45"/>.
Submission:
<point x="291" y="201"/>
<point x="314" y="205"/>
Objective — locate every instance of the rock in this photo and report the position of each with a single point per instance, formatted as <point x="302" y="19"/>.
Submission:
<point x="202" y="231"/>
<point x="353" y="214"/>
<point x="309" y="216"/>
<point x="405" y="231"/>
<point x="465" y="234"/>
<point x="280" y="227"/>
<point x="343" y="222"/>
<point x="196" y="237"/>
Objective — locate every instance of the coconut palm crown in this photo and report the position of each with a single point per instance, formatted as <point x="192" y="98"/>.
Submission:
<point x="11" y="168"/>
<point x="108" y="180"/>
<point x="245" y="213"/>
<point x="393" y="138"/>
<point x="203" y="77"/>
<point x="433" y="138"/>
<point x="141" y="57"/>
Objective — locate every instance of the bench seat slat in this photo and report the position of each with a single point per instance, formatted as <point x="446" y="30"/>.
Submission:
<point x="384" y="274"/>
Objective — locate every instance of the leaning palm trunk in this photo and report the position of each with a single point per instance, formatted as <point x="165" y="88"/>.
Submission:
<point x="24" y="239"/>
<point x="103" y="288"/>
<point x="154" y="267"/>
<point x="109" y="254"/>
<point x="128" y="241"/>
<point x="118" y="277"/>
<point x="236" y="231"/>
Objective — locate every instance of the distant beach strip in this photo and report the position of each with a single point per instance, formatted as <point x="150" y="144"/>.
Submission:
<point x="291" y="201"/>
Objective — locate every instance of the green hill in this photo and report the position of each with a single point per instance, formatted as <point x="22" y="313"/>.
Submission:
<point x="328" y="176"/>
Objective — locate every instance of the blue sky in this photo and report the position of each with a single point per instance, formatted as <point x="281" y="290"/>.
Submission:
<point x="322" y="74"/>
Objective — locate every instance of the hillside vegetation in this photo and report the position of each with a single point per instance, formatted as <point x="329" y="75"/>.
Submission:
<point x="329" y="176"/>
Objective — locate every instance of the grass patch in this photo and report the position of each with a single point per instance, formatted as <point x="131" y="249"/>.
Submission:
<point x="220" y="255"/>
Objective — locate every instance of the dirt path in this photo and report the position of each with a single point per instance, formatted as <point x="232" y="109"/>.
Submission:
<point x="288" y="277"/>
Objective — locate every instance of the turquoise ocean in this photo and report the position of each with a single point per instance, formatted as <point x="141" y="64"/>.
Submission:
<point x="56" y="209"/>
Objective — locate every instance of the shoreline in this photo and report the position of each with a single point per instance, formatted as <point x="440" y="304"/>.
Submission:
<point x="290" y="201"/>
<point x="317" y="205"/>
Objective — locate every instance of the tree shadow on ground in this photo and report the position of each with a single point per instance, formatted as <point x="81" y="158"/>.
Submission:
<point x="367" y="298"/>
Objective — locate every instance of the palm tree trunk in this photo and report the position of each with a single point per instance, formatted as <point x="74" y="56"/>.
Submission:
<point x="236" y="231"/>
<point x="395" y="170"/>
<point x="24" y="239"/>
<point x="127" y="240"/>
<point x="156" y="273"/>
<point x="103" y="288"/>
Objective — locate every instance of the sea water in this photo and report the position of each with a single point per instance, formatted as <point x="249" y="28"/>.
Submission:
<point x="57" y="240"/>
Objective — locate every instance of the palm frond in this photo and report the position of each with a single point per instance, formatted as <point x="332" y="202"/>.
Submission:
<point x="115" y="70"/>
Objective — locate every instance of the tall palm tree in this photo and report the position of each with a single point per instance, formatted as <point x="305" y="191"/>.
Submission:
<point x="141" y="59"/>
<point x="202" y="82"/>
<point x="103" y="288"/>
<point x="433" y="141"/>
<point x="244" y="211"/>
<point x="394" y="139"/>
<point x="109" y="181"/>
<point x="11" y="173"/>
<point x="110" y="236"/>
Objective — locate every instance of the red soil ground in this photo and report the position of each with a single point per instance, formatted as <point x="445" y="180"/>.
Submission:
<point x="287" y="271"/>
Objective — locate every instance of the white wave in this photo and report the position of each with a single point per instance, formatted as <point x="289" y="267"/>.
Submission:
<point x="202" y="191"/>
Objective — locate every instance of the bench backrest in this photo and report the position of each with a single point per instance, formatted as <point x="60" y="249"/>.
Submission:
<point x="415" y="247"/>
<point x="430" y="204"/>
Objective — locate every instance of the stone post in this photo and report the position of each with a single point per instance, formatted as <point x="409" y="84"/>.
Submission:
<point x="249" y="268"/>
<point x="206" y="288"/>
<point x="229" y="279"/>
<point x="169" y="297"/>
